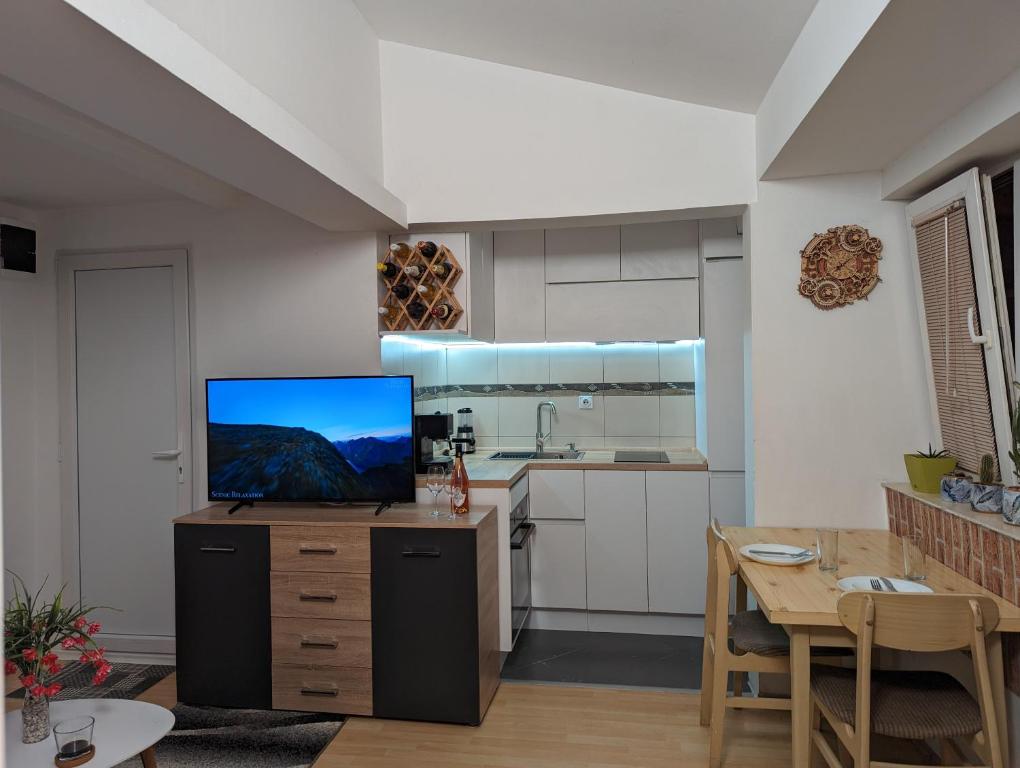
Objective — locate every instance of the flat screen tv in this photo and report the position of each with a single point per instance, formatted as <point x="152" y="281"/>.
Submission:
<point x="330" y="439"/>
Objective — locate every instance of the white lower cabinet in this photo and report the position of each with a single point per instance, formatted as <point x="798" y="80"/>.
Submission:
<point x="558" y="578"/>
<point x="556" y="494"/>
<point x="616" y="541"/>
<point x="678" y="514"/>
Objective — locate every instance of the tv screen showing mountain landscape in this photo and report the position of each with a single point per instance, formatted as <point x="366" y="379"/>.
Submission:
<point x="328" y="439"/>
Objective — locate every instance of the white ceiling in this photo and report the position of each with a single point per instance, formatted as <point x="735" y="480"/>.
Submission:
<point x="721" y="53"/>
<point x="42" y="174"/>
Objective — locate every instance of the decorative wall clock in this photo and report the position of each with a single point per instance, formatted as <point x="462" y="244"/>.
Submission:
<point x="840" y="266"/>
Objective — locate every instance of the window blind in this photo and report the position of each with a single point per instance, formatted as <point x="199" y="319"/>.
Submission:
<point x="958" y="364"/>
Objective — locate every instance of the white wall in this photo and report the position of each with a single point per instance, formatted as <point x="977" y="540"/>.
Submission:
<point x="28" y="391"/>
<point x="467" y="140"/>
<point x="318" y="59"/>
<point x="270" y="295"/>
<point x="838" y="396"/>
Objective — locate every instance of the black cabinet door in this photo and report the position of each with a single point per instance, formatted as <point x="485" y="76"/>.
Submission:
<point x="223" y="633"/>
<point x="425" y="625"/>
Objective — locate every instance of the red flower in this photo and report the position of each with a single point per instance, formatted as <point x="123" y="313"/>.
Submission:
<point x="53" y="668"/>
<point x="9" y="667"/>
<point x="49" y="658"/>
<point x="29" y="654"/>
<point x="68" y="642"/>
<point x="94" y="627"/>
<point x="102" y="673"/>
<point x="37" y="691"/>
<point x="28" y="680"/>
<point x="80" y="622"/>
<point x="52" y="690"/>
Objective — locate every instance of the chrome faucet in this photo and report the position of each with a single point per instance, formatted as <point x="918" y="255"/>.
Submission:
<point x="541" y="438"/>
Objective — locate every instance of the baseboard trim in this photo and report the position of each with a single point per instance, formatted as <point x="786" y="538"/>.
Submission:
<point x="609" y="621"/>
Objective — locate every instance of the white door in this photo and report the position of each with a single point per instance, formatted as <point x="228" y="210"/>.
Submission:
<point x="127" y="434"/>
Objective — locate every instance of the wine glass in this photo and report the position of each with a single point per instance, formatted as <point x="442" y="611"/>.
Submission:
<point x="435" y="479"/>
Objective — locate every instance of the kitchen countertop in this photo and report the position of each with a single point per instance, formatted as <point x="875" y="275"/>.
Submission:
<point x="502" y="473"/>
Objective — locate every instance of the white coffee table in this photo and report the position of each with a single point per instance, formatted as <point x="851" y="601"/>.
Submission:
<point x="124" y="728"/>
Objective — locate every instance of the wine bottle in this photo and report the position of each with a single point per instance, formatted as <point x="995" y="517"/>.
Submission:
<point x="387" y="269"/>
<point x="443" y="269"/>
<point x="442" y="310"/>
<point x="402" y="291"/>
<point x="426" y="292"/>
<point x="459" y="484"/>
<point x="389" y="313"/>
<point x="415" y="271"/>
<point x="416" y="310"/>
<point x="400" y="250"/>
<point x="427" y="248"/>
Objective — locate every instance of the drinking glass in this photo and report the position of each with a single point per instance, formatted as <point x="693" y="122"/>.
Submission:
<point x="828" y="549"/>
<point x="435" y="479"/>
<point x="74" y="736"/>
<point x="913" y="556"/>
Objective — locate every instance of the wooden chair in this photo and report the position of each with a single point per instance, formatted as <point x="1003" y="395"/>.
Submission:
<point x="758" y="646"/>
<point x="908" y="704"/>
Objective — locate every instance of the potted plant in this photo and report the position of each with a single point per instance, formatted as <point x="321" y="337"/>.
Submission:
<point x="986" y="495"/>
<point x="33" y="628"/>
<point x="1011" y="494"/>
<point x="925" y="469"/>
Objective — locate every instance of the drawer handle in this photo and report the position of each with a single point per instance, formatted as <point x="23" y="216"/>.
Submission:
<point x="317" y="549"/>
<point x="321" y="642"/>
<point x="326" y="597"/>
<point x="226" y="550"/>
<point x="326" y="690"/>
<point x="421" y="552"/>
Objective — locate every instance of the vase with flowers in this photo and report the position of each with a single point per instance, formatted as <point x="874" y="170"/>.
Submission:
<point x="33" y="628"/>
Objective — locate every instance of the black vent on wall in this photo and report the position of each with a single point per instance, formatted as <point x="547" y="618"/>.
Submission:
<point x="17" y="248"/>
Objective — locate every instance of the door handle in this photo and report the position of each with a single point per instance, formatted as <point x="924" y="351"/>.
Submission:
<point x="166" y="454"/>
<point x="421" y="552"/>
<point x="313" y="549"/>
<point x="313" y="690"/>
<point x="319" y="642"/>
<point x="983" y="339"/>
<point x="226" y="550"/>
<point x="324" y="597"/>
<point x="526" y="530"/>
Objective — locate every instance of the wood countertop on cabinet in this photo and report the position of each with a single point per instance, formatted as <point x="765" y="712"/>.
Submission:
<point x="397" y="516"/>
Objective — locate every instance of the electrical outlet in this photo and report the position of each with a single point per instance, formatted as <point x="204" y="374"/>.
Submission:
<point x="585" y="402"/>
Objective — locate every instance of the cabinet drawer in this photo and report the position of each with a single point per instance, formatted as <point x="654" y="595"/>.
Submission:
<point x="331" y="550"/>
<point x="307" y="688"/>
<point x="322" y="642"/>
<point x="322" y="595"/>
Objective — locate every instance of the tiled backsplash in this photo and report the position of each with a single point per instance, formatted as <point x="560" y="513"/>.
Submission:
<point x="643" y="394"/>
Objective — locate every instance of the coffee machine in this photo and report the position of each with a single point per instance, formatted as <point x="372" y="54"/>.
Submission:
<point x="430" y="432"/>
<point x="465" y="430"/>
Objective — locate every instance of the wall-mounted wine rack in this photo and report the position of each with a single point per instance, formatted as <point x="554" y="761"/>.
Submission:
<point x="443" y="291"/>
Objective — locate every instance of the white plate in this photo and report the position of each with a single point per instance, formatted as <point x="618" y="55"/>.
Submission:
<point x="863" y="584"/>
<point x="779" y="558"/>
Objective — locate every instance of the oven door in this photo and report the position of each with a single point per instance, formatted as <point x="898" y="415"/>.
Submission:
<point x="520" y="577"/>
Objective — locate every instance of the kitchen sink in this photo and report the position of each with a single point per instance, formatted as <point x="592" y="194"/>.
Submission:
<point x="544" y="455"/>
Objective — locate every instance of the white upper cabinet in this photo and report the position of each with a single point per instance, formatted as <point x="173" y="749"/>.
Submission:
<point x="721" y="239"/>
<point x="658" y="251"/>
<point x="582" y="255"/>
<point x="519" y="269"/>
<point x="635" y="310"/>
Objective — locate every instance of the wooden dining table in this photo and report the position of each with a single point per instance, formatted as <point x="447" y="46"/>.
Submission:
<point x="803" y="600"/>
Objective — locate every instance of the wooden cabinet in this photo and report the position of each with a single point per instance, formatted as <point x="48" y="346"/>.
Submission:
<point x="724" y="304"/>
<point x="582" y="254"/>
<point x="637" y="310"/>
<point x="519" y="282"/>
<point x="558" y="575"/>
<point x="659" y="251"/>
<point x="616" y="545"/>
<point x="678" y="513"/>
<point x="556" y="494"/>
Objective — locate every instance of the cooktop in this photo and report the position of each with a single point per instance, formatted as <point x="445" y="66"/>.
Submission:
<point x="642" y="457"/>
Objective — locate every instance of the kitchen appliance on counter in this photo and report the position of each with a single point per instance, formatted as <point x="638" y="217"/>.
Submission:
<point x="466" y="429"/>
<point x="641" y="457"/>
<point x="432" y="441"/>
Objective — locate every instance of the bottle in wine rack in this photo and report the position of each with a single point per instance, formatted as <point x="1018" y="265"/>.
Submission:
<point x="415" y="271"/>
<point x="400" y="250"/>
<point x="402" y="291"/>
<point x="427" y="248"/>
<point x="416" y="310"/>
<point x="387" y="269"/>
<point x="442" y="270"/>
<point x="426" y="292"/>
<point x="389" y="313"/>
<point x="441" y="311"/>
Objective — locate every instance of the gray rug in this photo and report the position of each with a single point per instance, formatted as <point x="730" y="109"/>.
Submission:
<point x="242" y="738"/>
<point x="126" y="681"/>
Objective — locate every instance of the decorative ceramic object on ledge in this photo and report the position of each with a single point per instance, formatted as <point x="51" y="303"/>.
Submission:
<point x="925" y="469"/>
<point x="956" y="488"/>
<point x="1011" y="505"/>
<point x="986" y="497"/>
